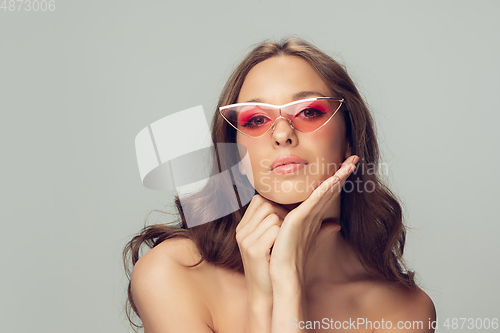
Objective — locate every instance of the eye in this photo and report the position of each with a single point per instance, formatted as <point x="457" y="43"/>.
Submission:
<point x="256" y="121"/>
<point x="310" y="113"/>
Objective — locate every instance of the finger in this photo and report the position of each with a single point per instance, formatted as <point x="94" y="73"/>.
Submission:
<point x="267" y="240"/>
<point x="354" y="159"/>
<point x="339" y="178"/>
<point x="347" y="168"/>
<point x="344" y="172"/>
<point x="276" y="208"/>
<point x="262" y="212"/>
<point x="281" y="211"/>
<point x="263" y="247"/>
<point x="325" y="191"/>
<point x="255" y="203"/>
<point x="268" y="222"/>
<point x="260" y="204"/>
<point x="253" y="238"/>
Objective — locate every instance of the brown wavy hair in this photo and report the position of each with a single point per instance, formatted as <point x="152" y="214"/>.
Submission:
<point x="372" y="221"/>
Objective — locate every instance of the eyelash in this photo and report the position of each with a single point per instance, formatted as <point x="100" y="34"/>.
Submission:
<point x="316" y="111"/>
<point x="250" y="122"/>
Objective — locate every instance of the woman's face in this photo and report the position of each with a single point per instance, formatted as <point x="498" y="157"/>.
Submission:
<point x="280" y="80"/>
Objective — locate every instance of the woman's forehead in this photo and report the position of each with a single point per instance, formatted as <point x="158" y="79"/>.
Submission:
<point x="280" y="80"/>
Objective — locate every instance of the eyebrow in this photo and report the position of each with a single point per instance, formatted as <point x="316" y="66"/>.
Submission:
<point x="297" y="96"/>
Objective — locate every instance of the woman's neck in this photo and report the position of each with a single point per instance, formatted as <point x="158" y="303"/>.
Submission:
<point x="332" y="259"/>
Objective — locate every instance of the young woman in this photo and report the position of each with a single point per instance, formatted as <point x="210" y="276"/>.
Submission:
<point x="320" y="245"/>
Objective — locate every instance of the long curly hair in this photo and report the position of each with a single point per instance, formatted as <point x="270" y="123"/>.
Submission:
<point x="371" y="221"/>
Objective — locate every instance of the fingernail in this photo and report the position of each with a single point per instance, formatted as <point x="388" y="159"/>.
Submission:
<point x="335" y="180"/>
<point x="351" y="169"/>
<point x="355" y="160"/>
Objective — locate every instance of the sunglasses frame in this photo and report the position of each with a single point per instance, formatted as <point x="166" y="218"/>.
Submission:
<point x="279" y="107"/>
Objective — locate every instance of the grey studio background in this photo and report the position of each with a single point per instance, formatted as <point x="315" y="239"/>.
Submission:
<point x="77" y="84"/>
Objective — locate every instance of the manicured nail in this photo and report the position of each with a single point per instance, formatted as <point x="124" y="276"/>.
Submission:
<point x="335" y="180"/>
<point x="355" y="160"/>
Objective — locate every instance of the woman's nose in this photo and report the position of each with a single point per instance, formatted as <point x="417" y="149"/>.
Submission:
<point x="283" y="132"/>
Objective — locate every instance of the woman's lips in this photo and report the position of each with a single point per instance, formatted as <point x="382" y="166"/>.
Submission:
<point x="287" y="164"/>
<point x="287" y="168"/>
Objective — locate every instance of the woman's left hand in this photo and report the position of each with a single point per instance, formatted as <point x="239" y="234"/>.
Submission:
<point x="301" y="225"/>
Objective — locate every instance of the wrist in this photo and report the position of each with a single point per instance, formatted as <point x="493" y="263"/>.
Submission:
<point x="260" y="298"/>
<point x="289" y="279"/>
<point x="285" y="287"/>
<point x="260" y="308"/>
<point x="288" y="305"/>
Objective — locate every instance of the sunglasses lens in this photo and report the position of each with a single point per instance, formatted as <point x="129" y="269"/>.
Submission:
<point x="310" y="115"/>
<point x="255" y="120"/>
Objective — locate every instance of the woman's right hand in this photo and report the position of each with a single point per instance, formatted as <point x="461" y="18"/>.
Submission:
<point x="255" y="235"/>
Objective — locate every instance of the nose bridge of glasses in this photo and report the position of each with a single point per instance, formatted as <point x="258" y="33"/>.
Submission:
<point x="289" y="121"/>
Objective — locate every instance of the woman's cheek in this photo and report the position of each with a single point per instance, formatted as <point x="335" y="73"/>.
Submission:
<point x="246" y="168"/>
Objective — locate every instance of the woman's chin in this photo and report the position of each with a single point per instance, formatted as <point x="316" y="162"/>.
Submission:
<point x="288" y="192"/>
<point x="283" y="198"/>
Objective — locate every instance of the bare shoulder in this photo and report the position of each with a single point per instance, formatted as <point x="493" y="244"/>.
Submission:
<point x="401" y="307"/>
<point x="167" y="293"/>
<point x="179" y="249"/>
